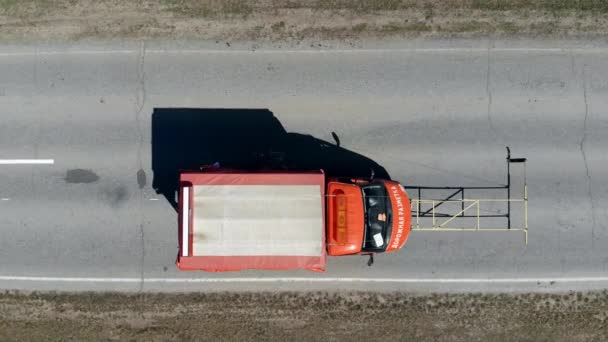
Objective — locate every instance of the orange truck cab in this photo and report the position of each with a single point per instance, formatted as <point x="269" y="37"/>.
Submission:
<point x="232" y="220"/>
<point x="366" y="216"/>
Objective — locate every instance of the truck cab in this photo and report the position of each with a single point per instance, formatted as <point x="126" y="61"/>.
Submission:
<point x="366" y="216"/>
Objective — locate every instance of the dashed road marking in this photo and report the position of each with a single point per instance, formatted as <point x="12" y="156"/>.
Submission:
<point x="27" y="161"/>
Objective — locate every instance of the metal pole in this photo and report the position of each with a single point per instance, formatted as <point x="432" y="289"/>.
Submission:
<point x="508" y="188"/>
<point x="526" y="207"/>
<point x="477" y="214"/>
<point x="418" y="215"/>
<point x="442" y="201"/>
<point x="433" y="203"/>
<point x="418" y="212"/>
<point x="525" y="203"/>
<point x="462" y="201"/>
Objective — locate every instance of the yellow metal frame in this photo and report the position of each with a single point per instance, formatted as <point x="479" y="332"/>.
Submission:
<point x="469" y="204"/>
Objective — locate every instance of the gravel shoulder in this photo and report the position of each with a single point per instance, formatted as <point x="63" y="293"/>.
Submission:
<point x="309" y="316"/>
<point x="290" y="20"/>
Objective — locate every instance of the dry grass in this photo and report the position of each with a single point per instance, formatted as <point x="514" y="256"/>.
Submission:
<point x="298" y="19"/>
<point x="309" y="317"/>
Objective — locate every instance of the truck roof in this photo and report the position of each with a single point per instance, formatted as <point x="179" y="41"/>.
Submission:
<point x="233" y="221"/>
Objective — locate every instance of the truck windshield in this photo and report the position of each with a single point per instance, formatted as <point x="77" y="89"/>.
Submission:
<point x="378" y="217"/>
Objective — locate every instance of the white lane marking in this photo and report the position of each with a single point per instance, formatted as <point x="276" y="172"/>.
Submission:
<point x="5" y="199"/>
<point x="186" y="221"/>
<point x="380" y="50"/>
<point x="26" y="161"/>
<point x="306" y="280"/>
<point x="66" y="52"/>
<point x="152" y="199"/>
<point x="304" y="51"/>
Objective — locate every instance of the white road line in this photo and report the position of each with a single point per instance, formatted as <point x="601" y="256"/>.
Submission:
<point x="306" y="51"/>
<point x="307" y="280"/>
<point x="66" y="52"/>
<point x="5" y="199"/>
<point x="153" y="199"/>
<point x="26" y="161"/>
<point x="399" y="50"/>
<point x="185" y="221"/>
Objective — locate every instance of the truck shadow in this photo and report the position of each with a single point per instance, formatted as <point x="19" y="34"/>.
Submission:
<point x="246" y="139"/>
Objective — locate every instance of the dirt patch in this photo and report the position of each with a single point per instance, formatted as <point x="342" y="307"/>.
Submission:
<point x="69" y="20"/>
<point x="80" y="176"/>
<point x="141" y="178"/>
<point x="312" y="316"/>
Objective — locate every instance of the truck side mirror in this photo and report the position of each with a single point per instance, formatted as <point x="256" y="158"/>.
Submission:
<point x="370" y="261"/>
<point x="336" y="139"/>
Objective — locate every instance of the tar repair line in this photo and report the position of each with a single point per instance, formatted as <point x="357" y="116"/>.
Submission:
<point x="306" y="280"/>
<point x="27" y="161"/>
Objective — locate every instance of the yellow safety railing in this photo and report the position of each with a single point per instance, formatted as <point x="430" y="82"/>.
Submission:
<point x="440" y="223"/>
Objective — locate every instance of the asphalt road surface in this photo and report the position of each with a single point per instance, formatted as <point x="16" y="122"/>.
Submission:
<point x="80" y="213"/>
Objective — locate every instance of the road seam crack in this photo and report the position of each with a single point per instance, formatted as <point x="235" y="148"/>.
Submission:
<point x="489" y="93"/>
<point x="140" y="100"/>
<point x="581" y="146"/>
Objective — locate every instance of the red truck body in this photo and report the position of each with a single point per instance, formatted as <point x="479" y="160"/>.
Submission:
<point x="232" y="220"/>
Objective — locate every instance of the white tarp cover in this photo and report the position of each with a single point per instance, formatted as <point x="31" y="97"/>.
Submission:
<point x="256" y="220"/>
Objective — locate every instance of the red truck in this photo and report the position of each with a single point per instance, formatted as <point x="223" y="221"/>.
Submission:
<point x="235" y="220"/>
